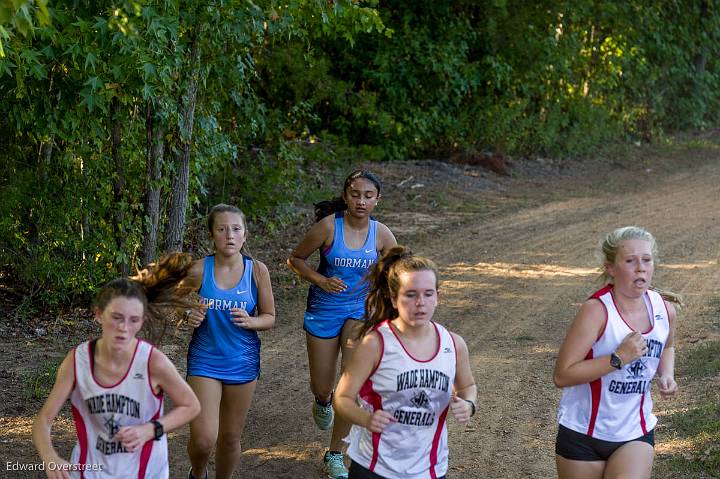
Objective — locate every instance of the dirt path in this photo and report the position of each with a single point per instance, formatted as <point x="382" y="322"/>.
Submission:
<point x="513" y="277"/>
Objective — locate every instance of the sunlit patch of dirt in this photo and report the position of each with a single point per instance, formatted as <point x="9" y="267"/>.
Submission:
<point x="521" y="271"/>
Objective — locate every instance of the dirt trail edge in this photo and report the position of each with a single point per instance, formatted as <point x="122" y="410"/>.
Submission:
<point x="512" y="282"/>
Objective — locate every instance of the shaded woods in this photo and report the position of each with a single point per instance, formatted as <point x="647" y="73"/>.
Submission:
<point x="120" y="121"/>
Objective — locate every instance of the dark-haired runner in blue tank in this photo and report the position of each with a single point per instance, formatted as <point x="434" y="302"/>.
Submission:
<point x="349" y="241"/>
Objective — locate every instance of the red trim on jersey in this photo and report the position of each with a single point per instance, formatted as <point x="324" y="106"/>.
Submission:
<point x="152" y="389"/>
<point x="604" y="290"/>
<point x="436" y="442"/>
<point x="612" y="295"/>
<point x="147" y="448"/>
<point x="437" y="333"/>
<point x="643" y="426"/>
<point x="455" y="348"/>
<point x="597" y="295"/>
<point x="74" y="368"/>
<point x="92" y="367"/>
<point x="652" y="313"/>
<point x="595" y="393"/>
<point x="368" y="393"/>
<point x="602" y="331"/>
<point x="382" y="348"/>
<point x="81" y="432"/>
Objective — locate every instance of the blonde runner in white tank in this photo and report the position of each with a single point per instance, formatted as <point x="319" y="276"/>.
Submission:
<point x="618" y="406"/>
<point x="100" y="410"/>
<point x="417" y="394"/>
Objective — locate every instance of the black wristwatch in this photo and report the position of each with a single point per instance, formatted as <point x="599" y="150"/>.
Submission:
<point x="615" y="361"/>
<point x="472" y="405"/>
<point x="159" y="431"/>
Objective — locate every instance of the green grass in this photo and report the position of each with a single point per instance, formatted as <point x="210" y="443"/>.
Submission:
<point x="701" y="361"/>
<point x="700" y="428"/>
<point x="39" y="383"/>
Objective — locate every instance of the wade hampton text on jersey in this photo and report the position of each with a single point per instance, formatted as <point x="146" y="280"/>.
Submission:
<point x="636" y="371"/>
<point x="419" y="379"/>
<point x="115" y="404"/>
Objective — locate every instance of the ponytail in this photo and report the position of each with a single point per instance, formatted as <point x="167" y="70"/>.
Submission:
<point x="669" y="296"/>
<point x="383" y="283"/>
<point x="329" y="207"/>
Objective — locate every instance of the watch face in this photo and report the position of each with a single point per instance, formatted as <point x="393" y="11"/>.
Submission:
<point x="158" y="430"/>
<point x="615" y="361"/>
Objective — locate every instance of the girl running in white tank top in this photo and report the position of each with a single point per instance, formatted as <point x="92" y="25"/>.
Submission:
<point x="620" y="340"/>
<point x="117" y="385"/>
<point x="408" y="373"/>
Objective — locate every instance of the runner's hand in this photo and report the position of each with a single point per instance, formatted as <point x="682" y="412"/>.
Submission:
<point x="460" y="409"/>
<point x="667" y="386"/>
<point x="241" y="318"/>
<point x="196" y="317"/>
<point x="379" y="420"/>
<point x="333" y="285"/>
<point x="632" y="347"/>
<point x="60" y="468"/>
<point x="133" y="437"/>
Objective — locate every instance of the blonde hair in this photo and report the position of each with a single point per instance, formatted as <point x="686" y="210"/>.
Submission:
<point x="608" y="252"/>
<point x="383" y="283"/>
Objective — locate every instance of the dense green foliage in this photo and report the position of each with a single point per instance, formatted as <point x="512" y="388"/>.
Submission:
<point x="118" y="118"/>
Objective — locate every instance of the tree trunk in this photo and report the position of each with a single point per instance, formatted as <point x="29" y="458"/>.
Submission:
<point x="155" y="152"/>
<point x="118" y="188"/>
<point x="178" y="207"/>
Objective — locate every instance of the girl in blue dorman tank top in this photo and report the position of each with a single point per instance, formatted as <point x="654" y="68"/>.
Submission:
<point x="224" y="353"/>
<point x="349" y="241"/>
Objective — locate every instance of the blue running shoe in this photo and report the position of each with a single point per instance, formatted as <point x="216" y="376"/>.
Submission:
<point x="335" y="465"/>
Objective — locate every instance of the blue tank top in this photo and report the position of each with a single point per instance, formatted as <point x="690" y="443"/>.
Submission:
<point x="350" y="265"/>
<point x="219" y="349"/>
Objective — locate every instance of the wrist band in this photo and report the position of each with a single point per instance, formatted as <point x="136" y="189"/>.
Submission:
<point x="472" y="405"/>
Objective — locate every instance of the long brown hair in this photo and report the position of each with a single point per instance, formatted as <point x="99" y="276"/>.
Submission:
<point x="384" y="283"/>
<point x="158" y="288"/>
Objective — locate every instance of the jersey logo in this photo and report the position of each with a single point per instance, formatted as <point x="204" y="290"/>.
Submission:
<point x="242" y="292"/>
<point x="421" y="400"/>
<point x="635" y="370"/>
<point x="138" y="376"/>
<point x="112" y="426"/>
<point x="368" y="251"/>
<point x="447" y="350"/>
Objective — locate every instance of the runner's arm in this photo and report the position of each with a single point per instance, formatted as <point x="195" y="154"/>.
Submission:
<point x="319" y="236"/>
<point x="666" y="368"/>
<point x="266" y="302"/>
<point x="464" y="388"/>
<point x="386" y="238"/>
<point x="64" y="382"/>
<point x="362" y="363"/>
<point x="571" y="366"/>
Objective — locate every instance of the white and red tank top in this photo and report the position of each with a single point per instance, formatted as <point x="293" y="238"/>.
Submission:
<point x="100" y="410"/>
<point x="417" y="393"/>
<point x="618" y="406"/>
